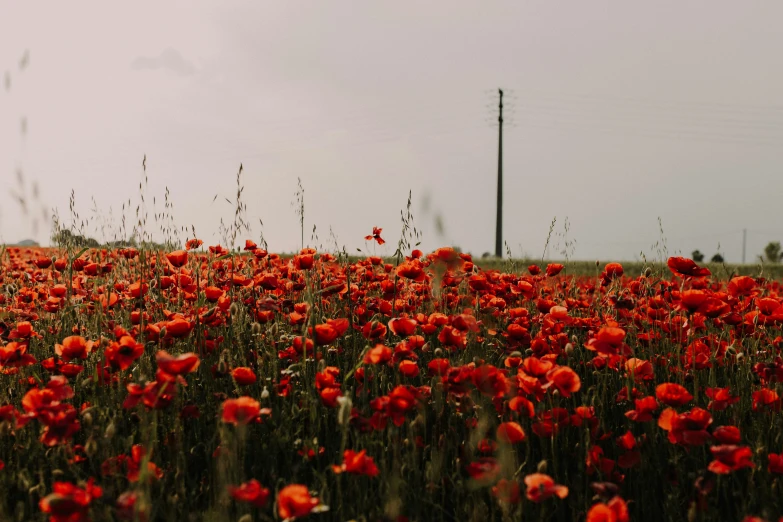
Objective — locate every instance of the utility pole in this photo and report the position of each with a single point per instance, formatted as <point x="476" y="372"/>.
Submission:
<point x="499" y="225"/>
<point x="744" y="242"/>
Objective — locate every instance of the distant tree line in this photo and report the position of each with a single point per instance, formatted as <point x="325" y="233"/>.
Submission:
<point x="66" y="237"/>
<point x="773" y="253"/>
<point x="697" y="256"/>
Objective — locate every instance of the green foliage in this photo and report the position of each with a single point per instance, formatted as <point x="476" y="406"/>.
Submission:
<point x="772" y="252"/>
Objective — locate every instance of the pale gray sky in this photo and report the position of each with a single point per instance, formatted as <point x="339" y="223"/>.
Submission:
<point x="623" y="112"/>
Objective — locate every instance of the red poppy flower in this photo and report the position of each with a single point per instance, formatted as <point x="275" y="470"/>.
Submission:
<point x="74" y="347"/>
<point x="240" y="411"/>
<point x="251" y="492"/>
<point x="729" y="457"/>
<point x="741" y="286"/>
<point x="380" y="354"/>
<point x="507" y="491"/>
<point x="689" y="428"/>
<point x="412" y="270"/>
<point x="775" y="463"/>
<point x="409" y="368"/>
<point x="218" y="250"/>
<point x="565" y="380"/>
<point x="641" y="370"/>
<point x="374" y="331"/>
<point x="672" y="394"/>
<point x="376" y="235"/>
<point x="609" y="341"/>
<point x="721" y="398"/>
<point x="15" y="355"/>
<point x="138" y="454"/>
<point x="357" y="463"/>
<point x="511" y="433"/>
<point x="541" y="487"/>
<point x="243" y="376"/>
<point x="213" y="293"/>
<point x="294" y="501"/>
<point x="766" y="398"/>
<point x="485" y="469"/>
<point x="402" y="327"/>
<point x="643" y="409"/>
<point x="122" y="354"/>
<point x="682" y="266"/>
<point x="451" y="337"/>
<point x="68" y="502"/>
<point x="178" y="328"/>
<point x="438" y="366"/>
<point x="616" y="510"/>
<point x="553" y="269"/>
<point x="331" y="330"/>
<point x="613" y="270"/>
<point x="180" y="365"/>
<point x="727" y="435"/>
<point x="178" y="258"/>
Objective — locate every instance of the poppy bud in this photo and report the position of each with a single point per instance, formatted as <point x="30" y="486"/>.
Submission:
<point x="569" y="348"/>
<point x="222" y="367"/>
<point x="574" y="339"/>
<point x="344" y="415"/>
<point x="246" y="518"/>
<point x="515" y="353"/>
<point x="162" y="334"/>
<point x="233" y="309"/>
<point x="321" y="366"/>
<point x="57" y="473"/>
<point x="265" y="393"/>
<point x="693" y="511"/>
<point x="87" y="419"/>
<point x="90" y="447"/>
<point x="426" y="348"/>
<point x="647" y="272"/>
<point x="438" y="352"/>
<point x="111" y="430"/>
<point x="255" y="329"/>
<point x="541" y="467"/>
<point x="529" y="351"/>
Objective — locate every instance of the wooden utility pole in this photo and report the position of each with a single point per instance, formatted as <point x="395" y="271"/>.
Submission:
<point x="499" y="222"/>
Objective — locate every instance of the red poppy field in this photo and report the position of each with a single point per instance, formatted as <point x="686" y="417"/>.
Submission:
<point x="203" y="384"/>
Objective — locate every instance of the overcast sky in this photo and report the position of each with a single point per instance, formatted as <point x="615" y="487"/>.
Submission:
<point x="620" y="113"/>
